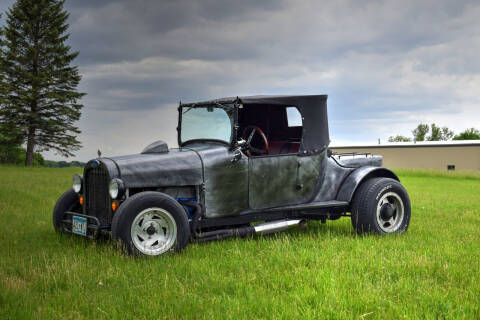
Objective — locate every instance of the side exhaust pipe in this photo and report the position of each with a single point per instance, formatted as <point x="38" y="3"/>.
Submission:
<point x="275" y="226"/>
<point x="262" y="229"/>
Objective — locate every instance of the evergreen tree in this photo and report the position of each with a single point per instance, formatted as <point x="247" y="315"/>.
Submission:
<point x="2" y="83"/>
<point x="41" y="98"/>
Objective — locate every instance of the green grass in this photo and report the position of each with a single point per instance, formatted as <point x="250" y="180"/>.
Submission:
<point x="322" y="272"/>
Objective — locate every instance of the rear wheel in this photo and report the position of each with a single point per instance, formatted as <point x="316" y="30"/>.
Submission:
<point x="151" y="223"/>
<point x="382" y="206"/>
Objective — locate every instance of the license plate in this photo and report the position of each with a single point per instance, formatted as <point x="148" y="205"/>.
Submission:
<point x="79" y="225"/>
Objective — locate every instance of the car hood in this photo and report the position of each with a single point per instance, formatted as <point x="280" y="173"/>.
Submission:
<point x="177" y="167"/>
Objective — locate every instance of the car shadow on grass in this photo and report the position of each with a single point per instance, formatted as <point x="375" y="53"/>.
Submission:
<point x="338" y="228"/>
<point x="312" y="230"/>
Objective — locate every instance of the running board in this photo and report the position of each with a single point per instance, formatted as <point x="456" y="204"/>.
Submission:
<point x="278" y="213"/>
<point x="311" y="206"/>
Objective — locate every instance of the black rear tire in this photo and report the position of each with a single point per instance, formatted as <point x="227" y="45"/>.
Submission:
<point x="381" y="206"/>
<point x="141" y="204"/>
<point x="67" y="202"/>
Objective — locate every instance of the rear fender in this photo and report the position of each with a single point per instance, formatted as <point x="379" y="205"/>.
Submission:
<point x="357" y="177"/>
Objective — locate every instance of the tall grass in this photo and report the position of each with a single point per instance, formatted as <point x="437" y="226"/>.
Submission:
<point x="322" y="272"/>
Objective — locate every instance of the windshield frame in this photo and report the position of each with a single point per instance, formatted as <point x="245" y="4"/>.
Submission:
<point x="232" y="112"/>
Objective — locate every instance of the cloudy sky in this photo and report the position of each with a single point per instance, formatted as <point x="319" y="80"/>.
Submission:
<point x="386" y="65"/>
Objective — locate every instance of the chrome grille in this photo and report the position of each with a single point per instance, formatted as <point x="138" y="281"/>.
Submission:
<point x="96" y="194"/>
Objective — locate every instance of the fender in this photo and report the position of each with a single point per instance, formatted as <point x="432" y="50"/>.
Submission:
<point x="351" y="183"/>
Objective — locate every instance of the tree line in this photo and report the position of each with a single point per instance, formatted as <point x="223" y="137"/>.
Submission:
<point x="39" y="100"/>
<point x="425" y="132"/>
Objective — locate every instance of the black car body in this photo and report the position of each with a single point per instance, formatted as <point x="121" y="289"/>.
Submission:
<point x="240" y="161"/>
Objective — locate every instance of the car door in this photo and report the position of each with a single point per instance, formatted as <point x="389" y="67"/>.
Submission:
<point x="226" y="181"/>
<point x="282" y="179"/>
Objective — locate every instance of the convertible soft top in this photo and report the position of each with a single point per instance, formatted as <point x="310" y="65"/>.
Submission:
<point x="313" y="109"/>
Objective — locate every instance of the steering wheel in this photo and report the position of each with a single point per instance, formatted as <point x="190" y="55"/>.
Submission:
<point x="248" y="145"/>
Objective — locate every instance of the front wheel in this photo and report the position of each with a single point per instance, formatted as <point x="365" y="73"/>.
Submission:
<point x="382" y="206"/>
<point x="151" y="224"/>
<point x="67" y="202"/>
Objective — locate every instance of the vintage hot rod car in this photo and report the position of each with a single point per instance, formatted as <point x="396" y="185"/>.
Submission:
<point x="244" y="165"/>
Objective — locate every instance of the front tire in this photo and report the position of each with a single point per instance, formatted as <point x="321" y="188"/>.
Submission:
<point x="381" y="206"/>
<point x="68" y="201"/>
<point x="151" y="224"/>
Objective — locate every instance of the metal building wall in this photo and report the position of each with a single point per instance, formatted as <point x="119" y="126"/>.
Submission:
<point x="422" y="156"/>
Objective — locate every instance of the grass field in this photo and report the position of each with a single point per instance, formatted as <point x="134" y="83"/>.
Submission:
<point x="322" y="272"/>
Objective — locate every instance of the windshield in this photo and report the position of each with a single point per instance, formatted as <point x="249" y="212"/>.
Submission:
<point x="205" y="123"/>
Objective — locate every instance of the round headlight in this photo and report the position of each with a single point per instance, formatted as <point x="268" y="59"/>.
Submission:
<point x="77" y="183"/>
<point x="116" y="188"/>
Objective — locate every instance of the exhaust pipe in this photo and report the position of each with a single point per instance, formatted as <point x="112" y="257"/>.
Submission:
<point x="275" y="226"/>
<point x="262" y="229"/>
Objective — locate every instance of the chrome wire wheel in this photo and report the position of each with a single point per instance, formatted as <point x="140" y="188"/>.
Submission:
<point x="153" y="231"/>
<point x="390" y="212"/>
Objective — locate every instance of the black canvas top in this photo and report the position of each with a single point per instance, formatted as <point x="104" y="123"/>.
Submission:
<point x="313" y="109"/>
<point x="264" y="99"/>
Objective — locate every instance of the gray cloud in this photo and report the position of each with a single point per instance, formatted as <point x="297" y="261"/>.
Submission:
<point x="386" y="65"/>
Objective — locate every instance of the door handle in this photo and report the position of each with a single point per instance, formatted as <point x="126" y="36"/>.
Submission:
<point x="299" y="184"/>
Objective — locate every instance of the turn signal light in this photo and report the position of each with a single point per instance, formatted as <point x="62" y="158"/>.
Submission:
<point x="81" y="200"/>
<point x="114" y="206"/>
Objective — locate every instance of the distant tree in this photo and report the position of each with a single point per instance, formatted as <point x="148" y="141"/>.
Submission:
<point x="468" y="134"/>
<point x="38" y="159"/>
<point x="58" y="164"/>
<point x="439" y="134"/>
<point x="447" y="134"/>
<point x="50" y="163"/>
<point x="435" y="133"/>
<point x="399" y="138"/>
<point x="77" y="164"/>
<point x="40" y="94"/>
<point x="420" y="132"/>
<point x="63" y="164"/>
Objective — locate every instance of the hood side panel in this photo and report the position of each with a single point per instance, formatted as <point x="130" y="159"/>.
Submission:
<point x="179" y="167"/>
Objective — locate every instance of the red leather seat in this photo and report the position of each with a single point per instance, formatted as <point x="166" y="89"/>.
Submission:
<point x="283" y="147"/>
<point x="275" y="147"/>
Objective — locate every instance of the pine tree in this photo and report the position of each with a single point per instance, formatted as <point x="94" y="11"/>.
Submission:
<point x="41" y="99"/>
<point x="2" y="83"/>
<point x="10" y="140"/>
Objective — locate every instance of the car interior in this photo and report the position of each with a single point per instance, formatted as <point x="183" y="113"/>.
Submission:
<point x="270" y="129"/>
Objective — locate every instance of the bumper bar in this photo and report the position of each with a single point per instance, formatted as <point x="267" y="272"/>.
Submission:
<point x="93" y="224"/>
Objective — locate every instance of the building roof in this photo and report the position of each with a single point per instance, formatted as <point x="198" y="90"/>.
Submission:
<point x="452" y="143"/>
